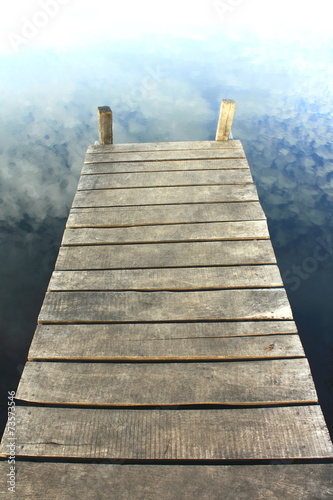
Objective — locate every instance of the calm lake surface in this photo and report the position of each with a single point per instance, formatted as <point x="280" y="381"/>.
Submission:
<point x="167" y="88"/>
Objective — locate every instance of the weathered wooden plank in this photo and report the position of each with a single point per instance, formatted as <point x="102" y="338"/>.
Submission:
<point x="185" y="154"/>
<point x="197" y="278"/>
<point x="165" y="195"/>
<point x="154" y="384"/>
<point x="157" y="339"/>
<point x="163" y="146"/>
<point x="65" y="481"/>
<point x="188" y="154"/>
<point x="165" y="179"/>
<point x="91" y="307"/>
<point x="164" y="214"/>
<point x="285" y="432"/>
<point x="207" y="231"/>
<point x="141" y="342"/>
<point x="210" y="253"/>
<point x="164" y="166"/>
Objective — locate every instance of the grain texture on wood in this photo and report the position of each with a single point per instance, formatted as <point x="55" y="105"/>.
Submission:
<point x="210" y="253"/>
<point x="104" y="115"/>
<point x="164" y="166"/>
<point x="165" y="179"/>
<point x="230" y="434"/>
<point x="183" y="154"/>
<point x="203" y="231"/>
<point x="153" y="384"/>
<point x="65" y="481"/>
<point x="140" y="340"/>
<point x="164" y="214"/>
<point x="90" y="307"/>
<point x="197" y="278"/>
<point x="163" y="146"/>
<point x="165" y="195"/>
<point x="227" y="111"/>
<point x="146" y="342"/>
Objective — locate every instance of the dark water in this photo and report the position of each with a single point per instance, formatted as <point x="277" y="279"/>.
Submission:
<point x="164" y="88"/>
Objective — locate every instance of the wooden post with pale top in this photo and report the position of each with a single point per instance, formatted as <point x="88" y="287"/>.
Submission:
<point x="224" y="125"/>
<point x="105" y="125"/>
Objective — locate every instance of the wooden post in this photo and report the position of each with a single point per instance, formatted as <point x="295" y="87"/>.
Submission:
<point x="104" y="114"/>
<point x="227" y="111"/>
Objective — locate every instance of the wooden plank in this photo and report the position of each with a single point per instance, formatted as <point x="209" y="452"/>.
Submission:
<point x="287" y="432"/>
<point x="163" y="146"/>
<point x="210" y="253"/>
<point x="91" y="307"/>
<point x="165" y="179"/>
<point x="142" y="343"/>
<point x="164" y="214"/>
<point x="154" y="384"/>
<point x="226" y="116"/>
<point x="149" y="482"/>
<point x="191" y="340"/>
<point x="188" y="154"/>
<point x="197" y="278"/>
<point x="207" y="231"/>
<point x="164" y="166"/>
<point x="165" y="195"/>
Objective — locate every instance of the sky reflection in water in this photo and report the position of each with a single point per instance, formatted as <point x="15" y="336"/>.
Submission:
<point x="164" y="88"/>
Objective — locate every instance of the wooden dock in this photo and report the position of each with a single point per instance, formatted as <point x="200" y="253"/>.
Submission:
<point x="166" y="363"/>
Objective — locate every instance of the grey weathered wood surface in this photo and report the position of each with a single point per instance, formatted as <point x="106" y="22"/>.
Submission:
<point x="140" y="384"/>
<point x="164" y="214"/>
<point x="165" y="294"/>
<point x="104" y="115"/>
<point x="129" y="306"/>
<point x="165" y="195"/>
<point x="166" y="179"/>
<point x="283" y="432"/>
<point x="163" y="166"/>
<point x="154" y="343"/>
<point x="67" y="481"/>
<point x="203" y="231"/>
<point x="209" y="253"/>
<point x="182" y="154"/>
<point x="164" y="146"/>
<point x="198" y="278"/>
